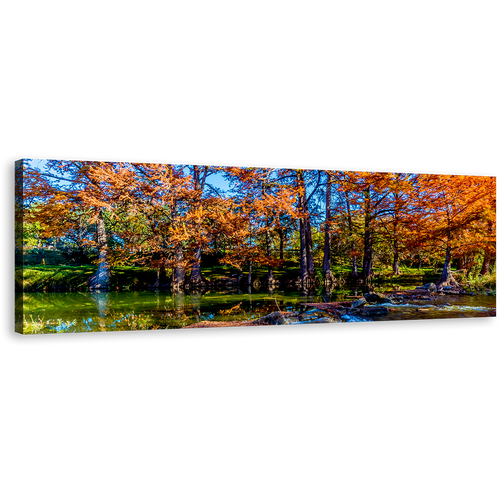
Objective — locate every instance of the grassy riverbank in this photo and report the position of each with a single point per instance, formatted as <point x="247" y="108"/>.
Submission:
<point x="75" y="278"/>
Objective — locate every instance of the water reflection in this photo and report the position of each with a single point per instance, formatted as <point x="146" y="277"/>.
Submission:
<point x="101" y="311"/>
<point x="101" y="301"/>
<point x="196" y="302"/>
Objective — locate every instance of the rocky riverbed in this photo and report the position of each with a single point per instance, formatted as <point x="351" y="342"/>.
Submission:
<point x="426" y="302"/>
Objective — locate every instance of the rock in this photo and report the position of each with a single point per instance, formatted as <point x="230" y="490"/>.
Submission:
<point x="429" y="287"/>
<point x="313" y="321"/>
<point x="325" y="320"/>
<point x="312" y="315"/>
<point x="360" y="302"/>
<point x="377" y="298"/>
<point x="372" y="311"/>
<point x="275" y="318"/>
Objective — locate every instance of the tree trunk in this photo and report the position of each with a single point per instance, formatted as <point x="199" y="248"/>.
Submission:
<point x="161" y="276"/>
<point x="446" y="278"/>
<point x="302" y="234"/>
<point x="100" y="280"/>
<point x="310" y="261"/>
<point x="327" y="271"/>
<point x="368" y="241"/>
<point x="282" y="243"/>
<point x="304" y="275"/>
<point x="485" y="268"/>
<point x="249" y="277"/>
<point x="469" y="263"/>
<point x="270" y="275"/>
<point x="354" y="272"/>
<point x="368" y="256"/>
<point x="196" y="279"/>
<point x="306" y="260"/>
<point x="179" y="273"/>
<point x="395" y="262"/>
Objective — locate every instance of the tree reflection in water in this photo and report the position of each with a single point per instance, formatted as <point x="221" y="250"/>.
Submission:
<point x="196" y="303"/>
<point x="105" y="311"/>
<point x="101" y="302"/>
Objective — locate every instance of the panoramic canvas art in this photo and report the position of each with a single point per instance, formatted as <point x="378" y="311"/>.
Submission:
<point x="110" y="246"/>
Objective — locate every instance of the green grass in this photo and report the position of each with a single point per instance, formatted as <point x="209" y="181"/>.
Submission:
<point x="50" y="277"/>
<point x="479" y="283"/>
<point x="74" y="278"/>
<point x="46" y="278"/>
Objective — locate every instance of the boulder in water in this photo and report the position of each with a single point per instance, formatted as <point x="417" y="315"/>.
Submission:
<point x="377" y="298"/>
<point x="372" y="311"/>
<point x="360" y="302"/>
<point x="275" y="318"/>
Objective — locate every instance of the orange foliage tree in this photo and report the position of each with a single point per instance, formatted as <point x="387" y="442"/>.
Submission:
<point x="262" y="199"/>
<point x="454" y="211"/>
<point x="66" y="198"/>
<point x="167" y="216"/>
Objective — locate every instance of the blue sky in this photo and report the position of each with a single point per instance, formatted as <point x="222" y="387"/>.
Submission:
<point x="215" y="179"/>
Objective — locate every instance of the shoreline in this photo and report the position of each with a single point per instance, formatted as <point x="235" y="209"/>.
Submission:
<point x="126" y="278"/>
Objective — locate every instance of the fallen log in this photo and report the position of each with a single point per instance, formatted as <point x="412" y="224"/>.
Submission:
<point x="403" y="293"/>
<point x="275" y="318"/>
<point x="217" y="324"/>
<point x="328" y="305"/>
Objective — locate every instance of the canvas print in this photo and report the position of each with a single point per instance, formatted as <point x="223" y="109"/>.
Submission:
<point x="113" y="246"/>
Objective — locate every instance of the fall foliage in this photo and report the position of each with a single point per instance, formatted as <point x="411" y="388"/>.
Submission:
<point x="176" y="218"/>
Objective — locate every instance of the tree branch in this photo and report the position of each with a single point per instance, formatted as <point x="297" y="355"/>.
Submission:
<point x="62" y="178"/>
<point x="317" y="185"/>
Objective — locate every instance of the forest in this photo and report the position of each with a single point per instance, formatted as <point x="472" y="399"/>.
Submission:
<point x="262" y="226"/>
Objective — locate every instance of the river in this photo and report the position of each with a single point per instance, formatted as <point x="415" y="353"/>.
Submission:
<point x="145" y="310"/>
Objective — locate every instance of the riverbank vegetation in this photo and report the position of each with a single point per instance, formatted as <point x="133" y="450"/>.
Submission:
<point x="101" y="226"/>
<point x="53" y="278"/>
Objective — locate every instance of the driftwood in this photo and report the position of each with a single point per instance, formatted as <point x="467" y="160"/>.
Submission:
<point x="328" y="305"/>
<point x="275" y="318"/>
